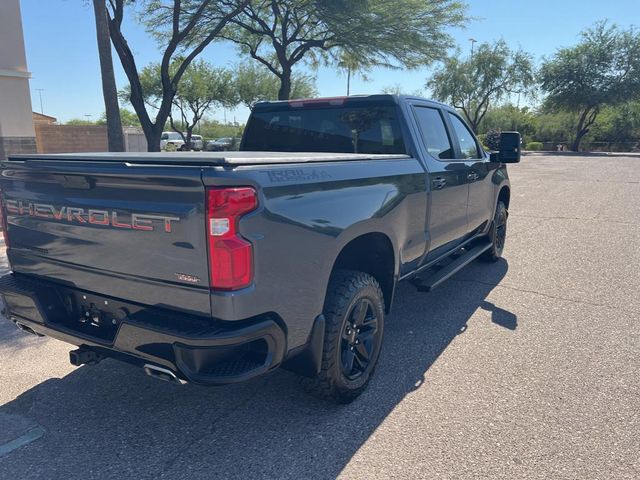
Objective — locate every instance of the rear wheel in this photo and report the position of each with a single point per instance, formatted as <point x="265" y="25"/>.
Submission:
<point x="354" y="315"/>
<point x="497" y="234"/>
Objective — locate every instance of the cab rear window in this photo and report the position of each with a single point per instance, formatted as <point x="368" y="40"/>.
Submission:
<point x="366" y="129"/>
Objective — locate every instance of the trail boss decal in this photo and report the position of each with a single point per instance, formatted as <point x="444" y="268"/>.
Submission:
<point x="134" y="221"/>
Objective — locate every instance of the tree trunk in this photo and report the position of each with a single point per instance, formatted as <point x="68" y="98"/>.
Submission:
<point x="582" y="129"/>
<point x="109" y="90"/>
<point x="473" y="124"/>
<point x="153" y="138"/>
<point x="189" y="135"/>
<point x="285" y="83"/>
<point x="575" y="145"/>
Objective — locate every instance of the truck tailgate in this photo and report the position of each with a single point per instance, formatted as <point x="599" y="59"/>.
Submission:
<point x="135" y="232"/>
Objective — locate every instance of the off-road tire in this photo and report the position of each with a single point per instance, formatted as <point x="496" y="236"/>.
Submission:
<point x="497" y="234"/>
<point x="347" y="291"/>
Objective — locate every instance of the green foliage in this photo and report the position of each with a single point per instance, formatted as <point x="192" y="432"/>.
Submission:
<point x="281" y="33"/>
<point x="202" y="87"/>
<point x="351" y="65"/>
<point x="616" y="128"/>
<point x="473" y="85"/>
<point x="509" y="118"/>
<point x="170" y="147"/>
<point x="554" y="126"/>
<point x="492" y="140"/>
<point x="406" y="33"/>
<point x="398" y="89"/>
<point x="483" y="138"/>
<point x="127" y="117"/>
<point x="619" y="123"/>
<point x="255" y="83"/>
<point x="212" y="129"/>
<point x="79" y="121"/>
<point x="535" y="146"/>
<point x="602" y="70"/>
<point x="183" y="29"/>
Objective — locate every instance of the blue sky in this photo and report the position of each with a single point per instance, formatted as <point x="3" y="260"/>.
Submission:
<point x="63" y="59"/>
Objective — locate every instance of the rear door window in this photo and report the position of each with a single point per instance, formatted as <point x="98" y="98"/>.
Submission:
<point x="434" y="133"/>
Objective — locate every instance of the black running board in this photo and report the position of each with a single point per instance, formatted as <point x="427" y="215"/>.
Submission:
<point x="429" y="283"/>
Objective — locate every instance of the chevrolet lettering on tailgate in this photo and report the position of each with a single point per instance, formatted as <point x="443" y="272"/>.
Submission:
<point x="135" y="221"/>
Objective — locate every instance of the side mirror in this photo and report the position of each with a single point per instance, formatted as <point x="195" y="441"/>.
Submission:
<point x="510" y="147"/>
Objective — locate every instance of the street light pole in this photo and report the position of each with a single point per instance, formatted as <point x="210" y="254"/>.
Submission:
<point x="473" y="42"/>
<point x="40" y="90"/>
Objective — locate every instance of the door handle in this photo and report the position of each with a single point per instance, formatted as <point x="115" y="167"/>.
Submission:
<point x="438" y="183"/>
<point x="473" y="176"/>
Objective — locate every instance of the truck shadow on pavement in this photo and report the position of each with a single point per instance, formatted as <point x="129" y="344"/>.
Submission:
<point x="111" y="421"/>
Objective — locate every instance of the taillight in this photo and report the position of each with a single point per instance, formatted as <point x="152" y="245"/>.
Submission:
<point x="3" y="222"/>
<point x="230" y="255"/>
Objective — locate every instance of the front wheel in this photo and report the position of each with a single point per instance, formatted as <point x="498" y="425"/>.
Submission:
<point x="354" y="316"/>
<point x="497" y="234"/>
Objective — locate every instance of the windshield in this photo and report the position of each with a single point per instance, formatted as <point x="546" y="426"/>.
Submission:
<point x="171" y="136"/>
<point x="362" y="129"/>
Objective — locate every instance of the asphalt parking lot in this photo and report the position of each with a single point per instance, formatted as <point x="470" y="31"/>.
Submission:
<point x="528" y="368"/>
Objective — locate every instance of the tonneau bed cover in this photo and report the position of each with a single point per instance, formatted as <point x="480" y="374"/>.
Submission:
<point x="205" y="158"/>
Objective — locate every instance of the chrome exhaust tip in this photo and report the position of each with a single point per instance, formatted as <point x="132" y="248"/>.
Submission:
<point x="27" y="329"/>
<point x="162" y="374"/>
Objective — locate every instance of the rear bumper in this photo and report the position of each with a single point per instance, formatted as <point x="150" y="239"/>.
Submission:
<point x="196" y="349"/>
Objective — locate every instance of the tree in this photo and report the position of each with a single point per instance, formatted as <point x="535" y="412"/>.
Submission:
<point x="556" y="127"/>
<point x="184" y="28"/>
<point x="202" y="86"/>
<point x="509" y="117"/>
<point x="397" y="89"/>
<point x="282" y="33"/>
<point x="115" y="136"/>
<point x="255" y="83"/>
<point x="618" y="124"/>
<point x="351" y="65"/>
<point x="215" y="129"/>
<point x="603" y="69"/>
<point x="473" y="85"/>
<point x="127" y="117"/>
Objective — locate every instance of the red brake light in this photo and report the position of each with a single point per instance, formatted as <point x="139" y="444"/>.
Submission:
<point x="333" y="101"/>
<point x="230" y="255"/>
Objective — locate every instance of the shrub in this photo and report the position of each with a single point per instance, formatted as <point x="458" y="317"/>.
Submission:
<point x="535" y="146"/>
<point x="170" y="147"/>
<point x="492" y="140"/>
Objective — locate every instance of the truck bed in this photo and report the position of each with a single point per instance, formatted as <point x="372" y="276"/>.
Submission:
<point x="206" y="158"/>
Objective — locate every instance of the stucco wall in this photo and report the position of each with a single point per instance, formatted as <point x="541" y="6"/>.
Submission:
<point x="12" y="53"/>
<point x="16" y="119"/>
<point x="16" y="123"/>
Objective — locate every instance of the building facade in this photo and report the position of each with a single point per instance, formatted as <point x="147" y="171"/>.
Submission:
<point x="17" y="133"/>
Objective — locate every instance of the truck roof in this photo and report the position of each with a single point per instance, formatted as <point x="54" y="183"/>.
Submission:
<point x="204" y="158"/>
<point x="383" y="98"/>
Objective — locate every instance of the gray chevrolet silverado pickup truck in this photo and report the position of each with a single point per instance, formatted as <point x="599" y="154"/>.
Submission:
<point x="214" y="268"/>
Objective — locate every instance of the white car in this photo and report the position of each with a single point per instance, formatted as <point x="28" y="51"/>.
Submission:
<point x="171" y="138"/>
<point x="174" y="138"/>
<point x="197" y="143"/>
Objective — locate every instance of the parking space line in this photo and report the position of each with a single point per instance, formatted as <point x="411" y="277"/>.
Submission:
<point x="30" y="436"/>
